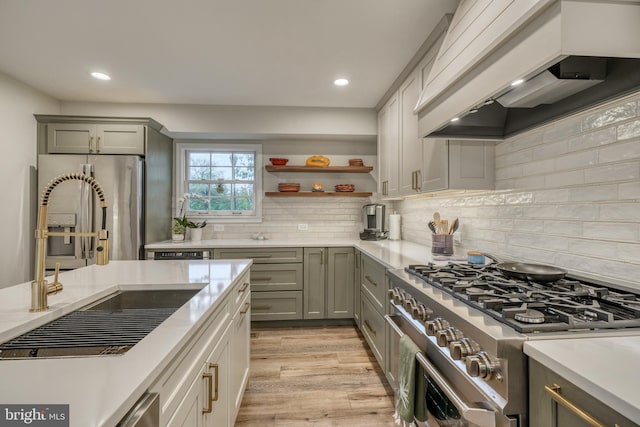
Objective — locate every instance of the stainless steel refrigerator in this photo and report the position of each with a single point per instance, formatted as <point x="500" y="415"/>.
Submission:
<point x="74" y="207"/>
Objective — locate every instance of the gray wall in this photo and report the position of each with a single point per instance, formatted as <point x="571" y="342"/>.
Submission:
<point x="18" y="103"/>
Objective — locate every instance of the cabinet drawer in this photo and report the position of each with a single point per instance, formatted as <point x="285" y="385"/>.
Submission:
<point x="261" y="256"/>
<point x="373" y="280"/>
<point x="276" y="277"/>
<point x="373" y="329"/>
<point x="282" y="305"/>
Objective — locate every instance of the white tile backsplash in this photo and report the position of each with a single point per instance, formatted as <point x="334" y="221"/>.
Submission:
<point x="582" y="214"/>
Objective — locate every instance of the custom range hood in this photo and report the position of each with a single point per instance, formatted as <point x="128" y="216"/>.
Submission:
<point x="569" y="54"/>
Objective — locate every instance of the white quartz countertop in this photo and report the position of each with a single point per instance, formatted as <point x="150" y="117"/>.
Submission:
<point x="606" y="368"/>
<point x="391" y="253"/>
<point x="100" y="390"/>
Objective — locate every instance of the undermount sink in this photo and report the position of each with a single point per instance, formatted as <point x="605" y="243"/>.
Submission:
<point x="109" y="326"/>
<point x="157" y="298"/>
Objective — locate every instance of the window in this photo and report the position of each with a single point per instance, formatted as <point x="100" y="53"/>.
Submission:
<point x="224" y="182"/>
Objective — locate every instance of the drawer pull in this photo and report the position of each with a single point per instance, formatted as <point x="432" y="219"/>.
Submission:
<point x="261" y="256"/>
<point x="209" y="379"/>
<point x="366" y="323"/>
<point x="554" y="392"/>
<point x="98" y="145"/>
<point x="215" y="390"/>
<point x="370" y="280"/>
<point x="244" y="287"/>
<point x="261" y="279"/>
<point x="261" y="307"/>
<point x="91" y="144"/>
<point x="246" y="308"/>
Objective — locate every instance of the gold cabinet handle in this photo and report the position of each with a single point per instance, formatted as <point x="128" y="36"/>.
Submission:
<point x="247" y="305"/>
<point x="366" y="323"/>
<point x="370" y="280"/>
<point x="261" y="256"/>
<point x="261" y="279"/>
<point x="554" y="392"/>
<point x="91" y="144"/>
<point x="214" y="366"/>
<point x="261" y="307"/>
<point x="244" y="287"/>
<point x="209" y="378"/>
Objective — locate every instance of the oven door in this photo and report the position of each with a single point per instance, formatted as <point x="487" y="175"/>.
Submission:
<point x="446" y="406"/>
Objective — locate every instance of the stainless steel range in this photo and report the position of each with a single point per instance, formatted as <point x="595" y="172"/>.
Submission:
<point x="472" y="321"/>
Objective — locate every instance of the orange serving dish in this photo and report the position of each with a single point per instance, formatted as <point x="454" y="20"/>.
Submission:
<point x="345" y="188"/>
<point x="288" y="187"/>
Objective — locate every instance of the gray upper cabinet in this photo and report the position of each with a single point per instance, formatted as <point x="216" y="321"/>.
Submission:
<point x="83" y="138"/>
<point x="328" y="283"/>
<point x="410" y="145"/>
<point x="388" y="134"/>
<point x="457" y="165"/>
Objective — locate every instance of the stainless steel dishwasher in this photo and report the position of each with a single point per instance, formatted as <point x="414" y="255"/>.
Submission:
<point x="145" y="413"/>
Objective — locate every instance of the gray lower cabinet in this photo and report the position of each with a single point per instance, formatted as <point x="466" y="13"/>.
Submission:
<point x="328" y="283"/>
<point x="546" y="411"/>
<point x="356" y="291"/>
<point x="374" y="330"/>
<point x="279" y="305"/>
<point x="276" y="281"/>
<point x="373" y="307"/>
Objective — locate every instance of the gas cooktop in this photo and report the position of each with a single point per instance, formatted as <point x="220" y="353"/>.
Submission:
<point x="530" y="307"/>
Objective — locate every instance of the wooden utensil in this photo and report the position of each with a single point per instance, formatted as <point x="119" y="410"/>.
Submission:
<point x="454" y="226"/>
<point x="436" y="221"/>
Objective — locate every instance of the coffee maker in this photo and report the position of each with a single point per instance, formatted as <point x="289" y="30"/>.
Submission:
<point x="373" y="219"/>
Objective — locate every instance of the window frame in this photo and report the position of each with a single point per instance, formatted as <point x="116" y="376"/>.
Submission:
<point x="180" y="187"/>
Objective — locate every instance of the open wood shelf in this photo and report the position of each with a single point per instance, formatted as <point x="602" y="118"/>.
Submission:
<point x="331" y="169"/>
<point x="317" y="194"/>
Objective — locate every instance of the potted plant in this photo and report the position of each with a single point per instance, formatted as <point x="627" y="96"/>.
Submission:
<point x="195" y="229"/>
<point x="181" y="223"/>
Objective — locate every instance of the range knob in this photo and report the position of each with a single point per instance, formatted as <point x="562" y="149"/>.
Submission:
<point x="421" y="312"/>
<point x="462" y="348"/>
<point x="483" y="365"/>
<point x="435" y="325"/>
<point x="397" y="295"/>
<point x="445" y="336"/>
<point x="410" y="303"/>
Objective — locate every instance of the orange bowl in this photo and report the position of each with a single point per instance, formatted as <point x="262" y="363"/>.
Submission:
<point x="276" y="161"/>
<point x="345" y="188"/>
<point x="288" y="187"/>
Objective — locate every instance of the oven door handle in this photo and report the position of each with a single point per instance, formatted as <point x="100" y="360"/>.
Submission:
<point x="393" y="325"/>
<point x="478" y="416"/>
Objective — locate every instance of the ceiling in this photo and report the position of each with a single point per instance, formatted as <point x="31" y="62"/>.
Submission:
<point x="216" y="52"/>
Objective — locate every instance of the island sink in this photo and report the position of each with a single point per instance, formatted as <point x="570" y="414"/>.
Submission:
<point x="109" y="326"/>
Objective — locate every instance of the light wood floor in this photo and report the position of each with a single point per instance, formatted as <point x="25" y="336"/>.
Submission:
<point x="316" y="376"/>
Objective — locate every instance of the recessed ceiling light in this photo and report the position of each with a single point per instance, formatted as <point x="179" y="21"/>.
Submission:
<point x="455" y="119"/>
<point x="517" y="82"/>
<point x="100" y="76"/>
<point x="341" y="82"/>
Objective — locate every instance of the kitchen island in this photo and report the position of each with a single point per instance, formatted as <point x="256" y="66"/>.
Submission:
<point x="597" y="374"/>
<point x="101" y="390"/>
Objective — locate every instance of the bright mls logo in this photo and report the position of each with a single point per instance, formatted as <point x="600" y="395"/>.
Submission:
<point x="34" y="415"/>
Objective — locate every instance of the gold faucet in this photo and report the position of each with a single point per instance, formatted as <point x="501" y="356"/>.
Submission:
<point x="40" y="288"/>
